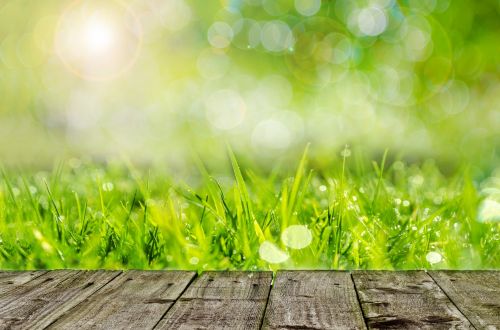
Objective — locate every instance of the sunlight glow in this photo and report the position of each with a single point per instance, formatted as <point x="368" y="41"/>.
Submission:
<point x="99" y="36"/>
<point x="98" y="40"/>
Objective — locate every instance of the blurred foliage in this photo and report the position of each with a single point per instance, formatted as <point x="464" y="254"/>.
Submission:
<point x="156" y="79"/>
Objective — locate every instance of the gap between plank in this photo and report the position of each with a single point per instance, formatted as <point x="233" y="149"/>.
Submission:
<point x="271" y="286"/>
<point x="175" y="302"/>
<point x="105" y="284"/>
<point x="359" y="301"/>
<point x="449" y="298"/>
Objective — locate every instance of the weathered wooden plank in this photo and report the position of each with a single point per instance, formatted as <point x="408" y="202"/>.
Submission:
<point x="410" y="300"/>
<point x="313" y="300"/>
<point x="475" y="293"/>
<point x="221" y="300"/>
<point x="37" y="303"/>
<point x="11" y="279"/>
<point x="133" y="300"/>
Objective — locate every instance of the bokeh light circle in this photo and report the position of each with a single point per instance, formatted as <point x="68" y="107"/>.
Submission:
<point x="276" y="36"/>
<point x="412" y="64"/>
<point x="296" y="237"/>
<point x="225" y="109"/>
<point x="271" y="134"/>
<point x="322" y="52"/>
<point x="370" y="21"/>
<point x="220" y="35"/>
<point x="307" y="7"/>
<point x="271" y="253"/>
<point x="98" y="40"/>
<point x="213" y="63"/>
<point x="434" y="257"/>
<point x="246" y="33"/>
<point x="277" y="7"/>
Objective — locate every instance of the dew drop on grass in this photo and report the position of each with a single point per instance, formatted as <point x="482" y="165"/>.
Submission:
<point x="433" y="257"/>
<point x="194" y="261"/>
<point x="271" y="253"/>
<point x="322" y="188"/>
<point x="345" y="153"/>
<point x="108" y="186"/>
<point x="38" y="235"/>
<point x="438" y="200"/>
<point x="296" y="237"/>
<point x="46" y="246"/>
<point x="33" y="190"/>
<point x="398" y="165"/>
<point x="406" y="203"/>
<point x="417" y="180"/>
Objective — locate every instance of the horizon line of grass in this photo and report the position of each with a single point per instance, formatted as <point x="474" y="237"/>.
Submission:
<point x="391" y="217"/>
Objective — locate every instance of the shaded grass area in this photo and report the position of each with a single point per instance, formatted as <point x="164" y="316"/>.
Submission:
<point x="382" y="216"/>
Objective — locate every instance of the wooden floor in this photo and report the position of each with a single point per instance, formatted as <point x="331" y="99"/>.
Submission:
<point x="68" y="299"/>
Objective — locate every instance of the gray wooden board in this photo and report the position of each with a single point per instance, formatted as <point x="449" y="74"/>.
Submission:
<point x="475" y="293"/>
<point x="133" y="300"/>
<point x="37" y="303"/>
<point x="313" y="300"/>
<point x="11" y="279"/>
<point x="221" y="300"/>
<point x="410" y="300"/>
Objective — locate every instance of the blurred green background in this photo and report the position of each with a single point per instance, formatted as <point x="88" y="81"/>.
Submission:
<point x="156" y="80"/>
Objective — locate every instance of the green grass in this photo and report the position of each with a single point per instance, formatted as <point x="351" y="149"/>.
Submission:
<point x="375" y="216"/>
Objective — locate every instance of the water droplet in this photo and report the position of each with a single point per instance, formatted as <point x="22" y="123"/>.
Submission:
<point x="108" y="186"/>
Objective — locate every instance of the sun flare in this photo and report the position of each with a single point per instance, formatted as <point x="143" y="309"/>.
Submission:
<point x="99" y="36"/>
<point x="98" y="41"/>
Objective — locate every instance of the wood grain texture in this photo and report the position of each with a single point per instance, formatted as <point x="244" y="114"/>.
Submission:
<point x="475" y="293"/>
<point x="133" y="300"/>
<point x="313" y="300"/>
<point x="37" y="303"/>
<point x="12" y="279"/>
<point x="410" y="300"/>
<point x="221" y="300"/>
